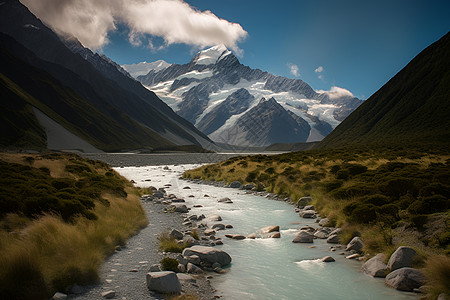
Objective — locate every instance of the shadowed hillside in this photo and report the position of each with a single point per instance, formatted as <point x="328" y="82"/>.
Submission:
<point x="411" y="109"/>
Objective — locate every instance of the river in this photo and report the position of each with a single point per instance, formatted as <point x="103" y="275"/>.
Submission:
<point x="267" y="268"/>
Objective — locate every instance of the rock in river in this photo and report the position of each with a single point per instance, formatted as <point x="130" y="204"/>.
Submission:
<point x="269" y="229"/>
<point x="209" y="255"/>
<point x="303" y="237"/>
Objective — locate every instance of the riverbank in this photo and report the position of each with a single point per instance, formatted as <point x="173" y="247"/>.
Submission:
<point x="279" y="266"/>
<point x="124" y="272"/>
<point x="158" y="159"/>
<point x="388" y="198"/>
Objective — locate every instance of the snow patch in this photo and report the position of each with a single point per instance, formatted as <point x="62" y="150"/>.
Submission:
<point x="144" y="67"/>
<point x="196" y="74"/>
<point x="212" y="55"/>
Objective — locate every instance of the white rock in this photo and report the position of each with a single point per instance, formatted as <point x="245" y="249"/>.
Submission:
<point x="59" y="296"/>
<point x="109" y="294"/>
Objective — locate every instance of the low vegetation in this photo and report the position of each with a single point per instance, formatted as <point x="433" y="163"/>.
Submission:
<point x="392" y="196"/>
<point x="169" y="264"/>
<point x="168" y="243"/>
<point x="60" y="216"/>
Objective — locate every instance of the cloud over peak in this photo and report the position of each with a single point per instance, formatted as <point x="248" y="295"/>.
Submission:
<point x="336" y="92"/>
<point x="293" y="69"/>
<point x="173" y="20"/>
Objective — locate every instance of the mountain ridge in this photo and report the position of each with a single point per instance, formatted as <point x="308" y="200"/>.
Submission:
<point x="196" y="89"/>
<point x="411" y="108"/>
<point x="121" y="92"/>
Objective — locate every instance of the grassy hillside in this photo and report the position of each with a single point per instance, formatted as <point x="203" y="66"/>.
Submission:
<point x="19" y="127"/>
<point x="60" y="216"/>
<point x="20" y="82"/>
<point x="390" y="197"/>
<point x="411" y="109"/>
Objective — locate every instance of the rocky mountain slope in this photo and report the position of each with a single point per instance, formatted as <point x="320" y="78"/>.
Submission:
<point x="411" y="109"/>
<point x="100" y="82"/>
<point x="216" y="92"/>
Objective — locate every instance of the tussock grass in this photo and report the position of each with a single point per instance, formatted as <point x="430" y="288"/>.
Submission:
<point x="46" y="253"/>
<point x="438" y="270"/>
<point x="388" y="196"/>
<point x="170" y="244"/>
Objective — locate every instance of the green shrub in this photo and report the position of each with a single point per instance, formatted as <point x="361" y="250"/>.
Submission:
<point x="169" y="264"/>
<point x="356" y="190"/>
<point x="334" y="169"/>
<point x="251" y="176"/>
<point x="435" y="188"/>
<point x="429" y="205"/>
<point x="355" y="169"/>
<point x="270" y="170"/>
<point x="343" y="174"/>
<point x="377" y="200"/>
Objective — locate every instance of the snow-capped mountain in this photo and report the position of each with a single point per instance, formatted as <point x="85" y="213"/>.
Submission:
<point x="144" y="67"/>
<point x="226" y="101"/>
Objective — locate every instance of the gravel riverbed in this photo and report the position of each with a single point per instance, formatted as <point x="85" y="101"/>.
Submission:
<point x="124" y="272"/>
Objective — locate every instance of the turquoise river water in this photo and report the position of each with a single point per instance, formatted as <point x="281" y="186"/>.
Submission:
<point x="268" y="268"/>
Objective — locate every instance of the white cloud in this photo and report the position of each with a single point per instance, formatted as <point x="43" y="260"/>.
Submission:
<point x="293" y="69"/>
<point x="336" y="92"/>
<point x="320" y="76"/>
<point x="173" y="20"/>
<point x="319" y="69"/>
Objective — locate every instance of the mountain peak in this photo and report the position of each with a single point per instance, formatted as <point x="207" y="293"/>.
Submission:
<point x="211" y="55"/>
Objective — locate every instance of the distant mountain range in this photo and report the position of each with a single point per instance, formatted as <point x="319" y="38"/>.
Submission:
<point x="86" y="95"/>
<point x="411" y="109"/>
<point x="237" y="105"/>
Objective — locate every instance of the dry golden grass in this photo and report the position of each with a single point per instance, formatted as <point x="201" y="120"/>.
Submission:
<point x="46" y="254"/>
<point x="437" y="269"/>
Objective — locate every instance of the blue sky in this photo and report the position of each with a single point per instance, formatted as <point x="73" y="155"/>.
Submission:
<point x="359" y="45"/>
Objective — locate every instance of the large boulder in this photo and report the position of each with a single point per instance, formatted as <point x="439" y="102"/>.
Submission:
<point x="269" y="229"/>
<point x="356" y="244"/>
<point x="307" y="214"/>
<point x="176" y="234"/>
<point x="303" y="237"/>
<point x="165" y="282"/>
<point x="225" y="200"/>
<point x="213" y="218"/>
<point x="248" y="187"/>
<point x="333" y="239"/>
<point x="402" y="257"/>
<point x="375" y="266"/>
<point x="324" y="222"/>
<point x="158" y="194"/>
<point x="209" y="255"/>
<point x="405" y="279"/>
<point x="235" y="185"/>
<point x="179" y="207"/>
<point x="321" y="233"/>
<point x="303" y="201"/>
<point x="218" y="226"/>
<point x="308" y="207"/>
